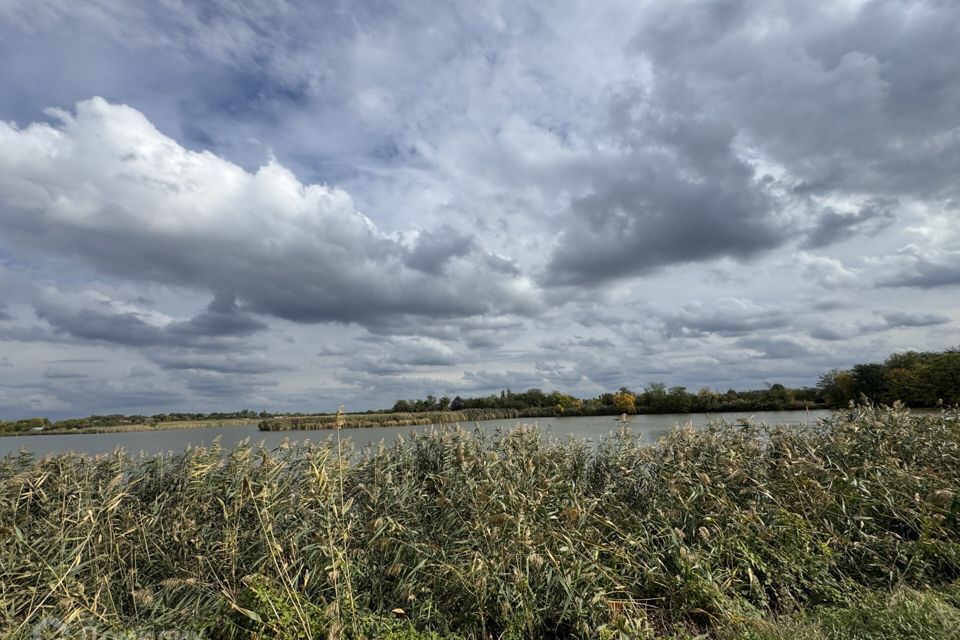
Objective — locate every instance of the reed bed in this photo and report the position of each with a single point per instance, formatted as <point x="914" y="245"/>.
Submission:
<point x="364" y="420"/>
<point x="735" y="531"/>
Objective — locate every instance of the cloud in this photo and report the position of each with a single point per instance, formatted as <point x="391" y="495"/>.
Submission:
<point x="85" y="396"/>
<point x="829" y="273"/>
<point x="105" y="187"/>
<point x="476" y="333"/>
<point x="833" y="332"/>
<point x="432" y="250"/>
<point x="728" y="317"/>
<point x="221" y="318"/>
<point x="225" y="386"/>
<point x="832" y="227"/>
<point x="883" y="321"/>
<point x="332" y="350"/>
<point x="130" y="326"/>
<point x="63" y="374"/>
<point x="913" y="319"/>
<point x="923" y="272"/>
<point x="673" y="191"/>
<point x="846" y="98"/>
<point x="715" y="150"/>
<point x="403" y="354"/>
<point x="198" y="360"/>
<point x="578" y="342"/>
<point x="776" y="348"/>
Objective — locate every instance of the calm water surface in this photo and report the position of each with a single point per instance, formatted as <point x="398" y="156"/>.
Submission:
<point x="591" y="428"/>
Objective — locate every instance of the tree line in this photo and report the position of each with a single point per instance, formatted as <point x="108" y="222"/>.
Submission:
<point x="120" y="420"/>
<point x="917" y="379"/>
<point x="656" y="397"/>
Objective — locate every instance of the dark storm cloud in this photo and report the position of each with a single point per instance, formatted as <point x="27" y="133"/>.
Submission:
<point x="831" y="333"/>
<point x="832" y="226"/>
<point x="845" y="102"/>
<point x="207" y="353"/>
<point x="128" y="328"/>
<point x="434" y="249"/>
<point x="857" y="99"/>
<point x="677" y="192"/>
<point x="221" y="318"/>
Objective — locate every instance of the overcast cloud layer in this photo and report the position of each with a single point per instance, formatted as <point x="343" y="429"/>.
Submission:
<point x="292" y="206"/>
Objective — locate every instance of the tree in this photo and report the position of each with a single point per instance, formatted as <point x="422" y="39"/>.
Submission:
<point x="779" y="396"/>
<point x="679" y="399"/>
<point x="444" y="403"/>
<point x="869" y="380"/>
<point x="625" y="402"/>
<point x="707" y="399"/>
<point x="838" y="387"/>
<point x="563" y="402"/>
<point x="457" y="404"/>
<point x="655" y="397"/>
<point x="532" y="397"/>
<point x="944" y="377"/>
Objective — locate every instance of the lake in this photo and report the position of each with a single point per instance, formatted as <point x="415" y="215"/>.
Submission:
<point x="591" y="428"/>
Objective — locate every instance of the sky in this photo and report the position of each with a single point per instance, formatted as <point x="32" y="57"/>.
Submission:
<point x="290" y="206"/>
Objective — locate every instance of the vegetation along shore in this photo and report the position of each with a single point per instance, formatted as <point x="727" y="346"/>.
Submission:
<point x="850" y="529"/>
<point x="918" y="379"/>
<point x="123" y="423"/>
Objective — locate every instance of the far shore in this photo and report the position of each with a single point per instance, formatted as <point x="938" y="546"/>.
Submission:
<point x="323" y="422"/>
<point x="129" y="428"/>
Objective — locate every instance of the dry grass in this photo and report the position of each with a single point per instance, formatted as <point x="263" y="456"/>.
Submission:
<point x="512" y="536"/>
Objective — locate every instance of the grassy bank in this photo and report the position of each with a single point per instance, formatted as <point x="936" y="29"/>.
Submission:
<point x="847" y="530"/>
<point x="400" y="419"/>
<point x="126" y="428"/>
